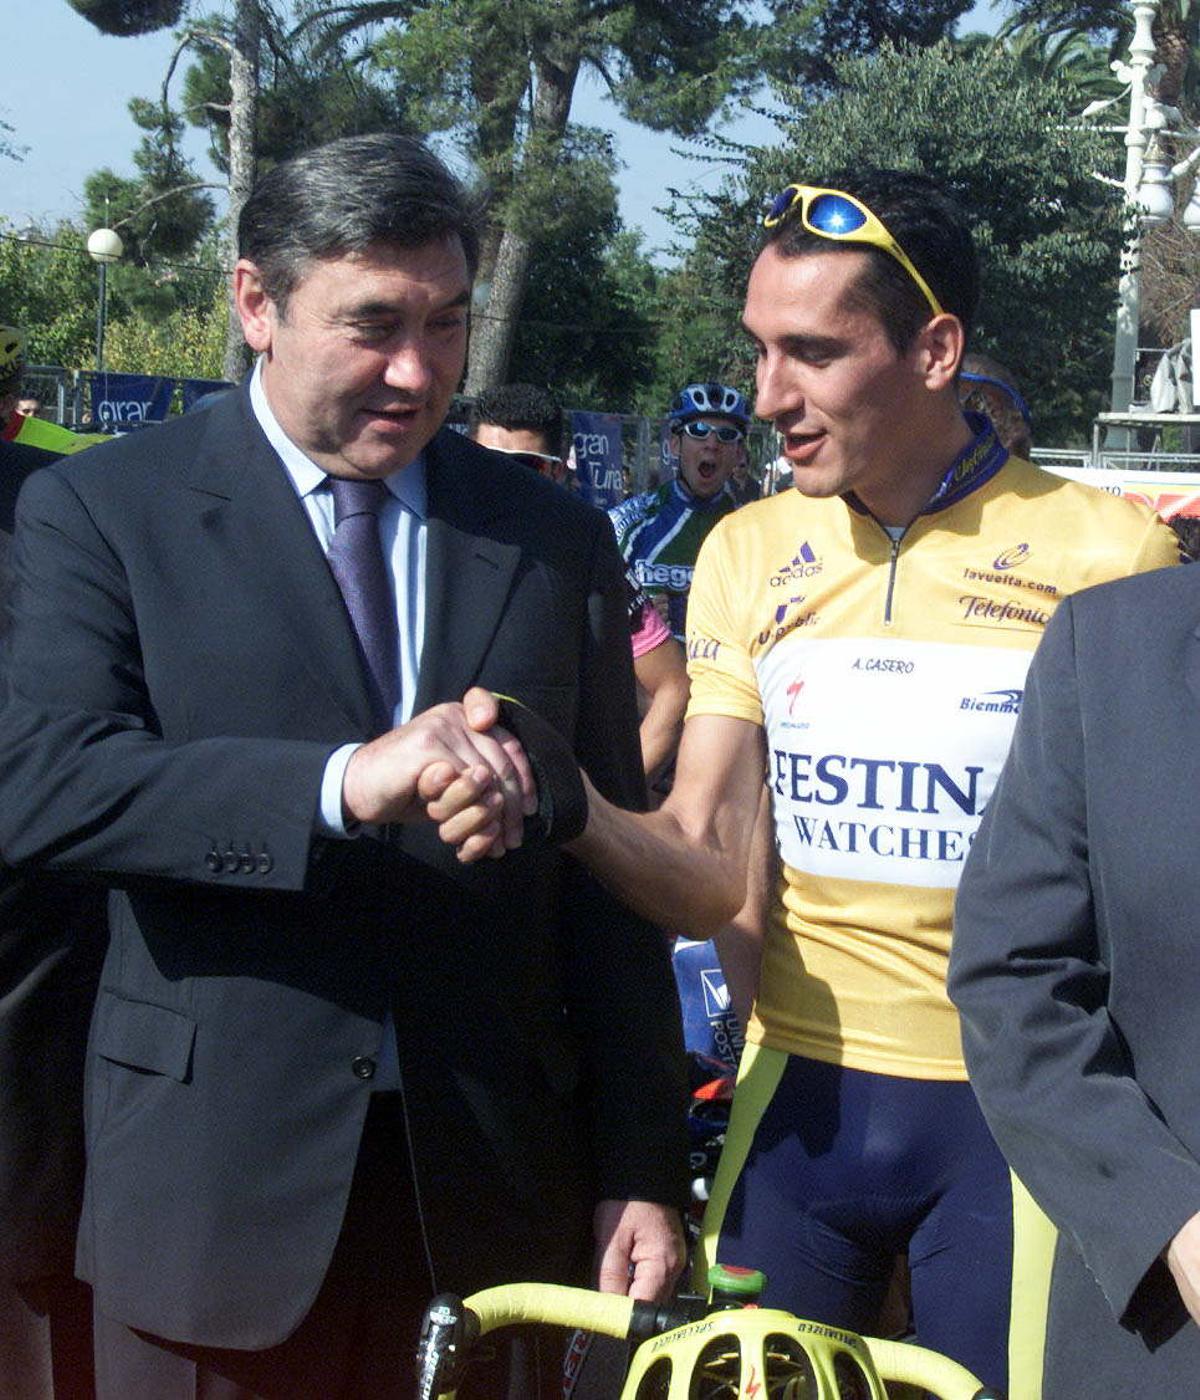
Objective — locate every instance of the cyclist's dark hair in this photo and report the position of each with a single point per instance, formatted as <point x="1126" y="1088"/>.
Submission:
<point x="520" y="407"/>
<point x="930" y="227"/>
<point x="345" y="196"/>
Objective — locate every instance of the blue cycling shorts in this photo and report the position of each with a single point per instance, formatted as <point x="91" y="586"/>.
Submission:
<point x="829" y="1173"/>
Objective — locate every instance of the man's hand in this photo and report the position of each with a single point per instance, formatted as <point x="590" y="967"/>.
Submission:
<point x="1183" y="1259"/>
<point x="454" y="765"/>
<point x="639" y="1249"/>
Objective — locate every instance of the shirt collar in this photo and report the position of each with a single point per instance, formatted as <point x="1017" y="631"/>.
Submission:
<point x="977" y="463"/>
<point x="407" y="484"/>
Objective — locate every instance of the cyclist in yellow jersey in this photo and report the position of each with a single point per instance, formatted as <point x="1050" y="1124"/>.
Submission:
<point x="862" y="641"/>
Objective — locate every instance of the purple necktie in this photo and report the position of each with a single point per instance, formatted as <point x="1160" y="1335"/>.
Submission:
<point x="356" y="558"/>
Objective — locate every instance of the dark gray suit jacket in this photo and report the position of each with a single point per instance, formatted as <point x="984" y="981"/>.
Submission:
<point x="182" y="666"/>
<point x="52" y="938"/>
<point x="1076" y="966"/>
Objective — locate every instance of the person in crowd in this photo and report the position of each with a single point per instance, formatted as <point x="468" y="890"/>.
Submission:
<point x="660" y="532"/>
<point x="526" y="422"/>
<point x="743" y="486"/>
<point x="16" y="425"/>
<point x="986" y="386"/>
<point x="29" y="406"/>
<point x="52" y="936"/>
<point x="337" y="1065"/>
<point x="862" y="640"/>
<point x="1074" y="968"/>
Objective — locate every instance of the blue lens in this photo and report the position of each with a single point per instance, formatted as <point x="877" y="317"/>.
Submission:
<point x="780" y="205"/>
<point x="833" y="214"/>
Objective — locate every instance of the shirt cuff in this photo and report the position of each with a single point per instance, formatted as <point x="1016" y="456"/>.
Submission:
<point x="331" y="819"/>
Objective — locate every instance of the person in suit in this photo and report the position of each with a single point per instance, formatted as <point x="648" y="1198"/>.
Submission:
<point x="1074" y="968"/>
<point x="341" y="1059"/>
<point x="52" y="937"/>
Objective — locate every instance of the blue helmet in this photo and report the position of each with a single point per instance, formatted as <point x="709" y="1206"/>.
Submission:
<point x="709" y="401"/>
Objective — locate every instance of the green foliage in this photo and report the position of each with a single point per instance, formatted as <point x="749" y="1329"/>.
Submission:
<point x="48" y="287"/>
<point x="1048" y="232"/>
<point x="126" y="17"/>
<point x="158" y="213"/>
<point x="189" y="341"/>
<point x="809" y="36"/>
<point x="311" y="91"/>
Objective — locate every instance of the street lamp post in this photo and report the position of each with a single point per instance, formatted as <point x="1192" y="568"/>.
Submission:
<point x="1141" y="57"/>
<point x="104" y="246"/>
<point x="1148" y="199"/>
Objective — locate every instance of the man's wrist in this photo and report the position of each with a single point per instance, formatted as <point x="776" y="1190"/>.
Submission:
<point x="333" y="818"/>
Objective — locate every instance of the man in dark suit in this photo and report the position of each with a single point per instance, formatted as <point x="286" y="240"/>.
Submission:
<point x="52" y="936"/>
<point x="337" y="1062"/>
<point x="1075" y="968"/>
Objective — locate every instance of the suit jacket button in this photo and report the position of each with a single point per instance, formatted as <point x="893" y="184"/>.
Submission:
<point x="213" y="861"/>
<point x="265" y="863"/>
<point x="246" y="862"/>
<point x="363" y="1067"/>
<point x="229" y="861"/>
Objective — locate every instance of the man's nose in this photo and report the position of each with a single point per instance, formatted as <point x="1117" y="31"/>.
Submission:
<point x="776" y="391"/>
<point x="409" y="367"/>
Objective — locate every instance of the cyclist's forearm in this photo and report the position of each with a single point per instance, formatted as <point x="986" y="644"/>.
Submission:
<point x="687" y="881"/>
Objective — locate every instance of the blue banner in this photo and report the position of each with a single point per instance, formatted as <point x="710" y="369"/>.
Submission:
<point x="121" y="401"/>
<point x="193" y="389"/>
<point x="596" y="440"/>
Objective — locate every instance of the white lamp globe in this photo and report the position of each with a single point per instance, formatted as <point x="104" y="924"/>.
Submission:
<point x="104" y="245"/>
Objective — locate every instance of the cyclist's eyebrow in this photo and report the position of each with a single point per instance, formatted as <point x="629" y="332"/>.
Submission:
<point x="812" y="346"/>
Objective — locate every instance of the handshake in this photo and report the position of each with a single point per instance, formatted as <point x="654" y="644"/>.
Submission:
<point x="489" y="772"/>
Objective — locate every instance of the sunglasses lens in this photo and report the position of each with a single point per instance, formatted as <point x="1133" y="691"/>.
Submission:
<point x="724" y="433"/>
<point x="834" y="215"/>
<point x="782" y="202"/>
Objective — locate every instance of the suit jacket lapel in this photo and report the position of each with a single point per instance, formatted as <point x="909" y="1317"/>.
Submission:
<point x="469" y="569"/>
<point x="246" y="499"/>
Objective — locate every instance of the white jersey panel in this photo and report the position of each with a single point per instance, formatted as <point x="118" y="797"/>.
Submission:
<point x="884" y="753"/>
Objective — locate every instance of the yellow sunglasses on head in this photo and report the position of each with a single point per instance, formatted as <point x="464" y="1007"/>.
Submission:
<point x="844" y="219"/>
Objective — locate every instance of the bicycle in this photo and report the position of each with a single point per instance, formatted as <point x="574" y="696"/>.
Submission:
<point x="722" y="1348"/>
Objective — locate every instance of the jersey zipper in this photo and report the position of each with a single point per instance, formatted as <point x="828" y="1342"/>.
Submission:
<point x="893" y="560"/>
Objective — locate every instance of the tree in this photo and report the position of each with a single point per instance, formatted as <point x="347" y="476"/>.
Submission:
<point x="128" y="17"/>
<point x="48" y="288"/>
<point x="1048" y="233"/>
<point x="241" y="43"/>
<point x="501" y="78"/>
<point x="808" y="38"/>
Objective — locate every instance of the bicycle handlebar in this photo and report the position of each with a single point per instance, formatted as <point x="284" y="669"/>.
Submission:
<point x="621" y="1317"/>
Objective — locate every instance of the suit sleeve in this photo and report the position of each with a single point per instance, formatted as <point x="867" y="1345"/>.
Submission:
<point x="622" y="991"/>
<point x="1028" y="974"/>
<point x="89" y="783"/>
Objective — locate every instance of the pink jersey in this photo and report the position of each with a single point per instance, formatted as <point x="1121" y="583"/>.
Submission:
<point x="652" y="632"/>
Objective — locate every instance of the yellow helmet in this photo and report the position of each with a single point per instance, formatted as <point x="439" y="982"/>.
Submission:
<point x="12" y="351"/>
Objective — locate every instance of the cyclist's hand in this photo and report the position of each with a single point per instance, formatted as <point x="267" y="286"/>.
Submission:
<point x="1183" y="1259"/>
<point x="639" y="1249"/>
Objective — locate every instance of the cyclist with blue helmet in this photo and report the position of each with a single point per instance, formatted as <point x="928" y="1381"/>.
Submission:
<point x="660" y="532"/>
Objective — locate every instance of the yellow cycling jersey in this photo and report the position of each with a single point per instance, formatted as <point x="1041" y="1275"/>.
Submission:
<point x="888" y="677"/>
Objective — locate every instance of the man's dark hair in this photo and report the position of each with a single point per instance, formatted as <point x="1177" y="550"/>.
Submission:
<point x="518" y="407"/>
<point x="927" y="224"/>
<point x="344" y="196"/>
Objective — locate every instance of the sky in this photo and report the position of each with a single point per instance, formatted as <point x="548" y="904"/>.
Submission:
<point x="66" y="89"/>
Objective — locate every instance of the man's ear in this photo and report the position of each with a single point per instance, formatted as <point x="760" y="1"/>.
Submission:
<point x="254" y="307"/>
<point x="940" y="346"/>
